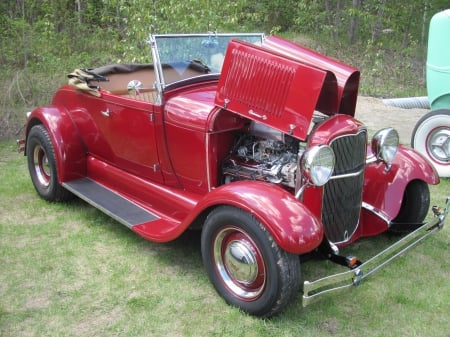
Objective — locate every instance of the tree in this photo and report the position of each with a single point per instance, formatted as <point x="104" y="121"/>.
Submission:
<point x="354" y="21"/>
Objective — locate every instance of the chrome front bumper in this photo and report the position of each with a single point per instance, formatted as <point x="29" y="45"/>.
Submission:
<point x="312" y="291"/>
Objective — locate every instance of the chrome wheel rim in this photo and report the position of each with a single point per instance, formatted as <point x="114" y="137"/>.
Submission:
<point x="239" y="263"/>
<point x="41" y="166"/>
<point x="438" y="144"/>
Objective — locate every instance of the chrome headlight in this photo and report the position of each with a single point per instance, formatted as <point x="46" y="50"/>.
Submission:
<point x="317" y="164"/>
<point x="385" y="145"/>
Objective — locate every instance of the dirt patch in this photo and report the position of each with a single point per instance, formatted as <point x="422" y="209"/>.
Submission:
<point x="376" y="115"/>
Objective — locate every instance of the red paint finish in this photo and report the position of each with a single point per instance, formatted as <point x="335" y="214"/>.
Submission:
<point x="69" y="148"/>
<point x="186" y="117"/>
<point x="191" y="109"/>
<point x="269" y="88"/>
<point x="291" y="224"/>
<point x="115" y="129"/>
<point x="347" y="77"/>
<point x="384" y="189"/>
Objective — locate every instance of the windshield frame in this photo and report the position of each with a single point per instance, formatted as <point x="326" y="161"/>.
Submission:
<point x="204" y="67"/>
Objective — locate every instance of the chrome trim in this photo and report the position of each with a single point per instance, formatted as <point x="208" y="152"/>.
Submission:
<point x="377" y="212"/>
<point x="299" y="193"/>
<point x="208" y="168"/>
<point x="341" y="176"/>
<point x="236" y="262"/>
<point x="252" y="113"/>
<point x="371" y="159"/>
<point x="378" y="144"/>
<point x="159" y="81"/>
<point x="312" y="291"/>
<point x="160" y="85"/>
<point x="336" y="177"/>
<point x="210" y="34"/>
<point x="105" y="113"/>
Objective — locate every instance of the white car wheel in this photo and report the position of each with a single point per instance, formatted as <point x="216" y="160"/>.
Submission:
<point x="431" y="137"/>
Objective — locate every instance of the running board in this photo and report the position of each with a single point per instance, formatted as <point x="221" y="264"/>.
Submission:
<point x="109" y="202"/>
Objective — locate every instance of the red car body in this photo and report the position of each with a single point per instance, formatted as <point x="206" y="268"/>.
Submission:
<point x="170" y="161"/>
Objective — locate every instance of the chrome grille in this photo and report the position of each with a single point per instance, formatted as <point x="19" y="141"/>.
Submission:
<point x="343" y="194"/>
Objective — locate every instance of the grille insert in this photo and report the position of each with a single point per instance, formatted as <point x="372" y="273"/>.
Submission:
<point x="343" y="194"/>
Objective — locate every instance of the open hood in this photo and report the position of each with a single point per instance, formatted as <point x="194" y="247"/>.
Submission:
<point x="275" y="85"/>
<point x="347" y="76"/>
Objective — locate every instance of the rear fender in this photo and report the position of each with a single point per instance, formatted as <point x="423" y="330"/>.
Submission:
<point x="384" y="189"/>
<point x="293" y="227"/>
<point x="69" y="149"/>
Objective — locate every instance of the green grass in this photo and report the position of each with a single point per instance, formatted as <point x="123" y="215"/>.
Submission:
<point x="68" y="270"/>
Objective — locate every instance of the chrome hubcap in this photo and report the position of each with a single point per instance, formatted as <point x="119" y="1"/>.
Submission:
<point x="438" y="144"/>
<point x="41" y="166"/>
<point x="239" y="263"/>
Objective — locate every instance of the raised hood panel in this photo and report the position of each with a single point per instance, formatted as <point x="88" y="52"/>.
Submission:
<point x="273" y="89"/>
<point x="347" y="76"/>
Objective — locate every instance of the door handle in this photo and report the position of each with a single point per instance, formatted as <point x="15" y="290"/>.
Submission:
<point x="105" y="112"/>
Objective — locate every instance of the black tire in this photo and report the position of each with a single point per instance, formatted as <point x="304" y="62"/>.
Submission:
<point x="42" y="165"/>
<point x="431" y="137"/>
<point x="245" y="265"/>
<point x="415" y="206"/>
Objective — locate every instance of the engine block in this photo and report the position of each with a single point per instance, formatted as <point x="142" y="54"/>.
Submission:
<point x="263" y="154"/>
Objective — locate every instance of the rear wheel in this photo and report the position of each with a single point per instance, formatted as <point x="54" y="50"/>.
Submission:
<point x="42" y="165"/>
<point x="415" y="206"/>
<point x="431" y="137"/>
<point x="246" y="266"/>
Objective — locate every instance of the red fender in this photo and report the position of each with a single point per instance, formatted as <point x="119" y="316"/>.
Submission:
<point x="69" y="149"/>
<point x="293" y="227"/>
<point x="384" y="189"/>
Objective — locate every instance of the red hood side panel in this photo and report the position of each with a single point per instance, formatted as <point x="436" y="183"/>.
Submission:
<point x="264" y="86"/>
<point x="347" y="76"/>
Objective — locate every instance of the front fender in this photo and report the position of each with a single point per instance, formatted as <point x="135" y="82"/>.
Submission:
<point x="293" y="227"/>
<point x="384" y="189"/>
<point x="69" y="149"/>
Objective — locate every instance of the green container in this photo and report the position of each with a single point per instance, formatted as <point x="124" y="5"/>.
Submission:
<point x="438" y="61"/>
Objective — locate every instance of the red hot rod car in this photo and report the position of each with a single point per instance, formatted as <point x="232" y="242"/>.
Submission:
<point x="251" y="139"/>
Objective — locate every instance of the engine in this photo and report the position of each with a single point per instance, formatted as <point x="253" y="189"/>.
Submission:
<point x="263" y="154"/>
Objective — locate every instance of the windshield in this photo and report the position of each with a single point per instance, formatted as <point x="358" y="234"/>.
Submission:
<point x="180" y="57"/>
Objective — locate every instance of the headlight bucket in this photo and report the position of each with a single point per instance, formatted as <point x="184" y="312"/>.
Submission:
<point x="317" y="164"/>
<point x="385" y="145"/>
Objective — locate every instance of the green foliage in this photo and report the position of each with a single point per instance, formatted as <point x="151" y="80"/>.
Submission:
<point x="43" y="40"/>
<point x="37" y="30"/>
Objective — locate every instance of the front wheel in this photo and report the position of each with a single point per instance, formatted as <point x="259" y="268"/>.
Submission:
<point x="246" y="266"/>
<point x="42" y="165"/>
<point x="415" y="206"/>
<point x="431" y="137"/>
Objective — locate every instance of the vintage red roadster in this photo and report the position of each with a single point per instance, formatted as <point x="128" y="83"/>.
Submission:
<point x="250" y="139"/>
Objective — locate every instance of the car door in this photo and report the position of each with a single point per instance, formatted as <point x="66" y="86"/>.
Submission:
<point x="121" y="131"/>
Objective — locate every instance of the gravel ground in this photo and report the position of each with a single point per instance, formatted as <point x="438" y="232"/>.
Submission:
<point x="376" y="115"/>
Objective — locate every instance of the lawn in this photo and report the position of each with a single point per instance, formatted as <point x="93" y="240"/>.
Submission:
<point x="69" y="270"/>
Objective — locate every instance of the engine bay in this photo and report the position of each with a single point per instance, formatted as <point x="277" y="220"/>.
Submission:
<point x="263" y="154"/>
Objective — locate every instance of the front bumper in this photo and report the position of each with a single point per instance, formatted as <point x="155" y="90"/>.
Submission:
<point x="312" y="291"/>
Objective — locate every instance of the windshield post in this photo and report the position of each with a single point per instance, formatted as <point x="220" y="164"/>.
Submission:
<point x="159" y="80"/>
